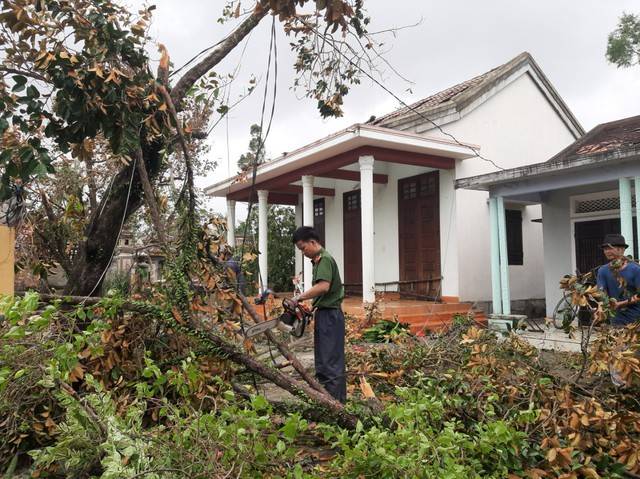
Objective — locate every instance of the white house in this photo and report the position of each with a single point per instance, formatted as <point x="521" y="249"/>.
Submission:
<point x="383" y="193"/>
<point x="586" y="191"/>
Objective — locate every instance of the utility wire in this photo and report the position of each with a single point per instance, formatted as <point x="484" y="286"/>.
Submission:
<point x="402" y="102"/>
<point x="124" y="216"/>
<point x="273" y="52"/>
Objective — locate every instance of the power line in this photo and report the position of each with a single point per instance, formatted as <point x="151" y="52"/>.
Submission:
<point x="124" y="216"/>
<point x="402" y="102"/>
<point x="273" y="52"/>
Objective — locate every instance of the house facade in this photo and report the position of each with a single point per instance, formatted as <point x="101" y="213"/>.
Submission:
<point x="383" y="193"/>
<point x="587" y="190"/>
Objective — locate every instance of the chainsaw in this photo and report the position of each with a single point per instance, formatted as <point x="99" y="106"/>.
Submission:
<point x="295" y="318"/>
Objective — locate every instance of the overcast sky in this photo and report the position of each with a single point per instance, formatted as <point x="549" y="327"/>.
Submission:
<point x="455" y="41"/>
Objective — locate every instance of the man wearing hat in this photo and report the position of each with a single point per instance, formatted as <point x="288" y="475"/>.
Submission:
<point x="620" y="279"/>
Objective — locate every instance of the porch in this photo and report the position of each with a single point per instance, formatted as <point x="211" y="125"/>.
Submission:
<point x="587" y="190"/>
<point x="375" y="196"/>
<point x="420" y="315"/>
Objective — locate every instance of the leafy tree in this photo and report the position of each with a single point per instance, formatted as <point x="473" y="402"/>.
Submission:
<point x="623" y="47"/>
<point x="77" y="94"/>
<point x="281" y="223"/>
<point x="255" y="155"/>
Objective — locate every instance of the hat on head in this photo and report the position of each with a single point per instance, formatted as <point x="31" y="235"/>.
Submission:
<point x="614" y="240"/>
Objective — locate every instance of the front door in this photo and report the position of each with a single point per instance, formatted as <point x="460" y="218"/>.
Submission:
<point x="588" y="238"/>
<point x="352" y="228"/>
<point x="419" y="235"/>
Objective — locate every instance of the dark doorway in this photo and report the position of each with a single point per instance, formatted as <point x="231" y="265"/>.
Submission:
<point x="318" y="218"/>
<point x="352" y="228"/>
<point x="588" y="238"/>
<point x="419" y="235"/>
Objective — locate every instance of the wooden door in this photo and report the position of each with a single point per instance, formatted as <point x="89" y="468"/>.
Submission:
<point x="588" y="238"/>
<point x="352" y="228"/>
<point x="419" y="234"/>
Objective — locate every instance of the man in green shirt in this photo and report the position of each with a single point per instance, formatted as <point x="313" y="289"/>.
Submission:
<point x="327" y="294"/>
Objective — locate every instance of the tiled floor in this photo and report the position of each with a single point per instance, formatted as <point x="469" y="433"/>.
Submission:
<point x="556" y="339"/>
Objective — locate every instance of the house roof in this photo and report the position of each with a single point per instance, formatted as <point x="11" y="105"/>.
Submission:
<point x="463" y="94"/>
<point x="614" y="142"/>
<point x="349" y="140"/>
<point x="619" y="134"/>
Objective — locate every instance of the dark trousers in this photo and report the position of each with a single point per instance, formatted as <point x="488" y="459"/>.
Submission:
<point x="328" y="341"/>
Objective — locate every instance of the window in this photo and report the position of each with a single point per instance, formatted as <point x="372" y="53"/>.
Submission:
<point x="318" y="218"/>
<point x="514" y="237"/>
<point x="352" y="200"/>
<point x="409" y="190"/>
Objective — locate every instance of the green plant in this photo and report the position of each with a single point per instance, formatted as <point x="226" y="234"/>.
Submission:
<point x="117" y="284"/>
<point x="386" y="331"/>
<point x="428" y="440"/>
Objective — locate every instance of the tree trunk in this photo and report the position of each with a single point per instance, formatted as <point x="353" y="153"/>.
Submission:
<point x="94" y="254"/>
<point x="152" y="204"/>
<point x="230" y="352"/>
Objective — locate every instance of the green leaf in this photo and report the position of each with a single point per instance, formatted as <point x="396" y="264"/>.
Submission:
<point x="259" y="403"/>
<point x="290" y="428"/>
<point x="20" y="81"/>
<point x="32" y="92"/>
<point x="15" y="332"/>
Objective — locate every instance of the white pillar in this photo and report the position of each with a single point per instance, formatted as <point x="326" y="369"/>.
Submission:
<point x="307" y="220"/>
<point x="231" y="223"/>
<point x="263" y="262"/>
<point x="298" y="253"/>
<point x="504" y="258"/>
<point x="366" y="210"/>
<point x="495" y="257"/>
<point x="626" y="213"/>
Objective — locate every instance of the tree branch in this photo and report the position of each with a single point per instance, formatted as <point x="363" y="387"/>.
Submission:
<point x="35" y="76"/>
<point x="284" y="350"/>
<point x="229" y="351"/>
<point x="150" y="199"/>
<point x="220" y="52"/>
<point x="91" y="183"/>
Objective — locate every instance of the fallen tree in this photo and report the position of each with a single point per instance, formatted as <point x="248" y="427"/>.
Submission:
<point x="89" y="127"/>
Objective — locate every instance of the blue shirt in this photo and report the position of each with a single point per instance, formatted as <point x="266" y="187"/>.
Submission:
<point x="608" y="282"/>
<point x="233" y="265"/>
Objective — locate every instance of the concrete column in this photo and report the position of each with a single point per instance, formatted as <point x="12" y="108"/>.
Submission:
<point x="263" y="257"/>
<point x="504" y="258"/>
<point x="366" y="209"/>
<point x="298" y="253"/>
<point x="626" y="213"/>
<point x="307" y="220"/>
<point x="495" y="256"/>
<point x="231" y="223"/>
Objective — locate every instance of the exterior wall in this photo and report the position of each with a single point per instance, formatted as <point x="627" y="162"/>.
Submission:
<point x="557" y="245"/>
<point x="515" y="127"/>
<point x="450" y="240"/>
<point x="559" y="251"/>
<point x="385" y="203"/>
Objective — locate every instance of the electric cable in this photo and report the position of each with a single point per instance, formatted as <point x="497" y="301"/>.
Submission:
<point x="406" y="105"/>
<point x="124" y="216"/>
<point x="262" y="138"/>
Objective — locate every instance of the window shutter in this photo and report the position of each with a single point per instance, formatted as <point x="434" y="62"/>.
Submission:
<point x="514" y="237"/>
